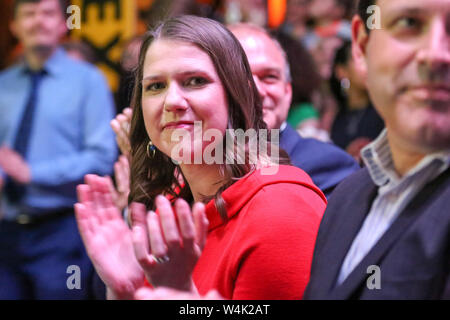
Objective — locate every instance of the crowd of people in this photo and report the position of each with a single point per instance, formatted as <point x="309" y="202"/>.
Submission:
<point x="153" y="194"/>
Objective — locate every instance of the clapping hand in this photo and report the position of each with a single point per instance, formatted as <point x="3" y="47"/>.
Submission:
<point x="168" y="244"/>
<point x="107" y="238"/>
<point x="122" y="176"/>
<point x="121" y="126"/>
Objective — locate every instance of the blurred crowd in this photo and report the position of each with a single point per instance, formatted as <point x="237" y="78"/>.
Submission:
<point x="329" y="102"/>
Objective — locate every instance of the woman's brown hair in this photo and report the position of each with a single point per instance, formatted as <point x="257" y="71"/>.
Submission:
<point x="151" y="176"/>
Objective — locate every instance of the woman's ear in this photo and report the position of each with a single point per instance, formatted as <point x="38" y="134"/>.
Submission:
<point x="341" y="72"/>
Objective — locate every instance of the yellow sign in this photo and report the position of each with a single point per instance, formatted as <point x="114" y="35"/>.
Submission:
<point x="106" y="25"/>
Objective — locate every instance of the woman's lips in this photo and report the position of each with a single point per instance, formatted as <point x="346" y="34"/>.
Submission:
<point x="178" y="125"/>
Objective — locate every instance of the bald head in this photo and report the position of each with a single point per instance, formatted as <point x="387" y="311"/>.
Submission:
<point x="270" y="71"/>
<point x="244" y="32"/>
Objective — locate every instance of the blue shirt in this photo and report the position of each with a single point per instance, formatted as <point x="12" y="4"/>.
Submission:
<point x="70" y="137"/>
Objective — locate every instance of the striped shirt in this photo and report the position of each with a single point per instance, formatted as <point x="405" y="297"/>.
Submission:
<point x="394" y="193"/>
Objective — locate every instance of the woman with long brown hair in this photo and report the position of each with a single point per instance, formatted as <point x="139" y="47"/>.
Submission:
<point x="194" y="92"/>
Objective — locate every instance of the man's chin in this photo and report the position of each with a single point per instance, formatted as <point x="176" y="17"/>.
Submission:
<point x="438" y="141"/>
<point x="42" y="49"/>
<point x="433" y="140"/>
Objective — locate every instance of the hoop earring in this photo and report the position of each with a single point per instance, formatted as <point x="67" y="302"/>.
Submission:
<point x="151" y="149"/>
<point x="345" y="85"/>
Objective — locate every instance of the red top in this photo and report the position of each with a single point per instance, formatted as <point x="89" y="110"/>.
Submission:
<point x="265" y="249"/>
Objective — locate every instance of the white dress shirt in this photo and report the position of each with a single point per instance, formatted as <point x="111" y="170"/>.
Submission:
<point x="394" y="194"/>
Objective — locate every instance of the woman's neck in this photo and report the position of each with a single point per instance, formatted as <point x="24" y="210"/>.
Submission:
<point x="203" y="179"/>
<point x="357" y="99"/>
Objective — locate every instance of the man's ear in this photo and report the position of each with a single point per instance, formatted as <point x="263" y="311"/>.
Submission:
<point x="288" y="93"/>
<point x="13" y="28"/>
<point x="63" y="30"/>
<point x="360" y="38"/>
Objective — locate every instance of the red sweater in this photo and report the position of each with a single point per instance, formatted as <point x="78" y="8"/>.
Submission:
<point x="265" y="249"/>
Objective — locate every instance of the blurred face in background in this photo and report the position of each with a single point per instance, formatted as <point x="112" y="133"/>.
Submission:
<point x="39" y="25"/>
<point x="325" y="10"/>
<point x="297" y="11"/>
<point x="323" y="54"/>
<point x="269" y="71"/>
<point x="130" y="54"/>
<point x="406" y="65"/>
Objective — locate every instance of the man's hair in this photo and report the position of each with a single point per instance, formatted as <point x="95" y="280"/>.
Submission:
<point x="361" y="10"/>
<point x="62" y="3"/>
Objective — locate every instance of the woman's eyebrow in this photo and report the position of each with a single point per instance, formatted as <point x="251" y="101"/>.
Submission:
<point x="194" y="72"/>
<point x="183" y="73"/>
<point x="151" y="77"/>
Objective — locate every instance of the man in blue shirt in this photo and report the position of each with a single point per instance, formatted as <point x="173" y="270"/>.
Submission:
<point x="54" y="129"/>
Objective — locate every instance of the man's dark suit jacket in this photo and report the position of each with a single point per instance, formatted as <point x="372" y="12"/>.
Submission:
<point x="326" y="164"/>
<point x="413" y="255"/>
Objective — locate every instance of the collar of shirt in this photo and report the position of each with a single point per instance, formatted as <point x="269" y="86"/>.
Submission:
<point x="283" y="126"/>
<point x="53" y="65"/>
<point x="378" y="159"/>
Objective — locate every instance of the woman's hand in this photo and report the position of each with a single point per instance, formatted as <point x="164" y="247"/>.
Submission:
<point x="122" y="176"/>
<point x="121" y="126"/>
<point x="166" y="251"/>
<point x="107" y="238"/>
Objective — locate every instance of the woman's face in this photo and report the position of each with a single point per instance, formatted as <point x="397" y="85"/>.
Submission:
<point x="181" y="86"/>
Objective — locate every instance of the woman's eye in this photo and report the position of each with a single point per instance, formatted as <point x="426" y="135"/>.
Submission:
<point x="155" y="86"/>
<point x="196" y="82"/>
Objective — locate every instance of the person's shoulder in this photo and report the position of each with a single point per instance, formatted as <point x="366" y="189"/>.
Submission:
<point x="11" y="81"/>
<point x="85" y="70"/>
<point x="286" y="175"/>
<point x="10" y="72"/>
<point x="320" y="148"/>
<point x="358" y="178"/>
<point x="280" y="211"/>
<point x="285" y="195"/>
<point x="277" y="173"/>
<point x="304" y="146"/>
<point x="348" y="192"/>
<point x="325" y="153"/>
